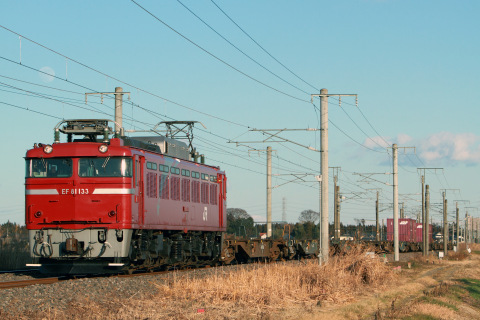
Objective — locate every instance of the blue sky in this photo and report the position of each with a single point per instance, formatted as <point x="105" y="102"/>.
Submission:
<point x="413" y="64"/>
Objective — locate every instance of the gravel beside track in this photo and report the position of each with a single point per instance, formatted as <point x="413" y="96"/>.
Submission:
<point x="100" y="289"/>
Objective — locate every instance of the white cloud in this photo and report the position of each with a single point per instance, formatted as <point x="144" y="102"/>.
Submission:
<point x="451" y="148"/>
<point x="438" y="148"/>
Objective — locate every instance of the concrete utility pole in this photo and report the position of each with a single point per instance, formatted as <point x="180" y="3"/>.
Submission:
<point x="382" y="236"/>
<point x="457" y="221"/>
<point x="466" y="228"/>
<point x="269" y="192"/>
<point x="337" y="212"/>
<point x="445" y="226"/>
<point x="395" y="203"/>
<point x="336" y="206"/>
<point x="269" y="162"/>
<point x="425" y="224"/>
<point x="324" y="170"/>
<point x="118" y="107"/>
<point x="427" y="211"/>
<point x="377" y="237"/>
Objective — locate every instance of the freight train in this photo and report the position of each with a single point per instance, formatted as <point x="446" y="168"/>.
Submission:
<point x="410" y="237"/>
<point x="101" y="202"/>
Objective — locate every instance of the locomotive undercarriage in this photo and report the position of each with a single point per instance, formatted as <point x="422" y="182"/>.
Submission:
<point x="154" y="249"/>
<point x="93" y="251"/>
<point x="85" y="251"/>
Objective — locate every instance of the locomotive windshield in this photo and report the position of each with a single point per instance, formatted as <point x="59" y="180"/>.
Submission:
<point x="48" y="168"/>
<point x="105" y="167"/>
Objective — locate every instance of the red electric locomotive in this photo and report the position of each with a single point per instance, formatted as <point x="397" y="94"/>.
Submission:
<point x="98" y="204"/>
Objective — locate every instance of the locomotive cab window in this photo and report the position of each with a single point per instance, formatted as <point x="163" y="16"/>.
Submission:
<point x="105" y="167"/>
<point x="48" y="168"/>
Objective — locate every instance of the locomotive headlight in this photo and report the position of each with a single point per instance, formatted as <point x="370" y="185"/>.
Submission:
<point x="48" y="148"/>
<point x="37" y="214"/>
<point x="103" y="148"/>
<point x="111" y="213"/>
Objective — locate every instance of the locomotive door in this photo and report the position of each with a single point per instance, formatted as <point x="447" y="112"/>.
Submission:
<point x="139" y="188"/>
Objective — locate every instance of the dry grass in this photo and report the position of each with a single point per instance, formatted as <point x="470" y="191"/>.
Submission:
<point x="262" y="291"/>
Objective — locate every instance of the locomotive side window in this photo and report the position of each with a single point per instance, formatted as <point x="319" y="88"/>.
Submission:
<point x="151" y="165"/>
<point x="105" y="167"/>
<point x="48" y="168"/>
<point x="185" y="173"/>
<point x="163" y="168"/>
<point x="195" y="175"/>
<point x="205" y="177"/>
<point x="175" y="170"/>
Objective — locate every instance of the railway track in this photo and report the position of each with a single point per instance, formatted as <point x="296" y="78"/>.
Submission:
<point x="51" y="280"/>
<point x="30" y="282"/>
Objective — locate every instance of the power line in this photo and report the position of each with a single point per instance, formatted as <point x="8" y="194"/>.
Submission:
<point x="217" y="58"/>
<point x="240" y="50"/>
<point x="108" y="76"/>
<point x="293" y="73"/>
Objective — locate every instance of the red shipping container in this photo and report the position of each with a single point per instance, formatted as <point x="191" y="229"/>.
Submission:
<point x="419" y="237"/>
<point x="406" y="230"/>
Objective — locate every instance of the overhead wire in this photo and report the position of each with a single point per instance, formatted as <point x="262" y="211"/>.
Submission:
<point x="216" y="57"/>
<point x="261" y="47"/>
<point x="240" y="50"/>
<point x="110" y="77"/>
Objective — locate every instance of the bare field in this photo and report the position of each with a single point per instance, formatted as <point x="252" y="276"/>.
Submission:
<point x="353" y="286"/>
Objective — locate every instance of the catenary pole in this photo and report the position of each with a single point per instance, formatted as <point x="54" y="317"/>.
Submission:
<point x="377" y="225"/>
<point x="118" y="110"/>
<point x="323" y="177"/>
<point x="445" y="227"/>
<point x="395" y="203"/>
<point x="269" y="192"/>
<point x="324" y="172"/>
<point x="427" y="213"/>
<point x="424" y="223"/>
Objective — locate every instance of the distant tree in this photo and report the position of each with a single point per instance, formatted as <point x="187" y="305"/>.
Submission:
<point x="239" y="222"/>
<point x="309" y="216"/>
<point x="298" y="231"/>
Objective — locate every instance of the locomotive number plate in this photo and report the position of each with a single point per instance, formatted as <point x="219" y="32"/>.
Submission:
<point x="75" y="191"/>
